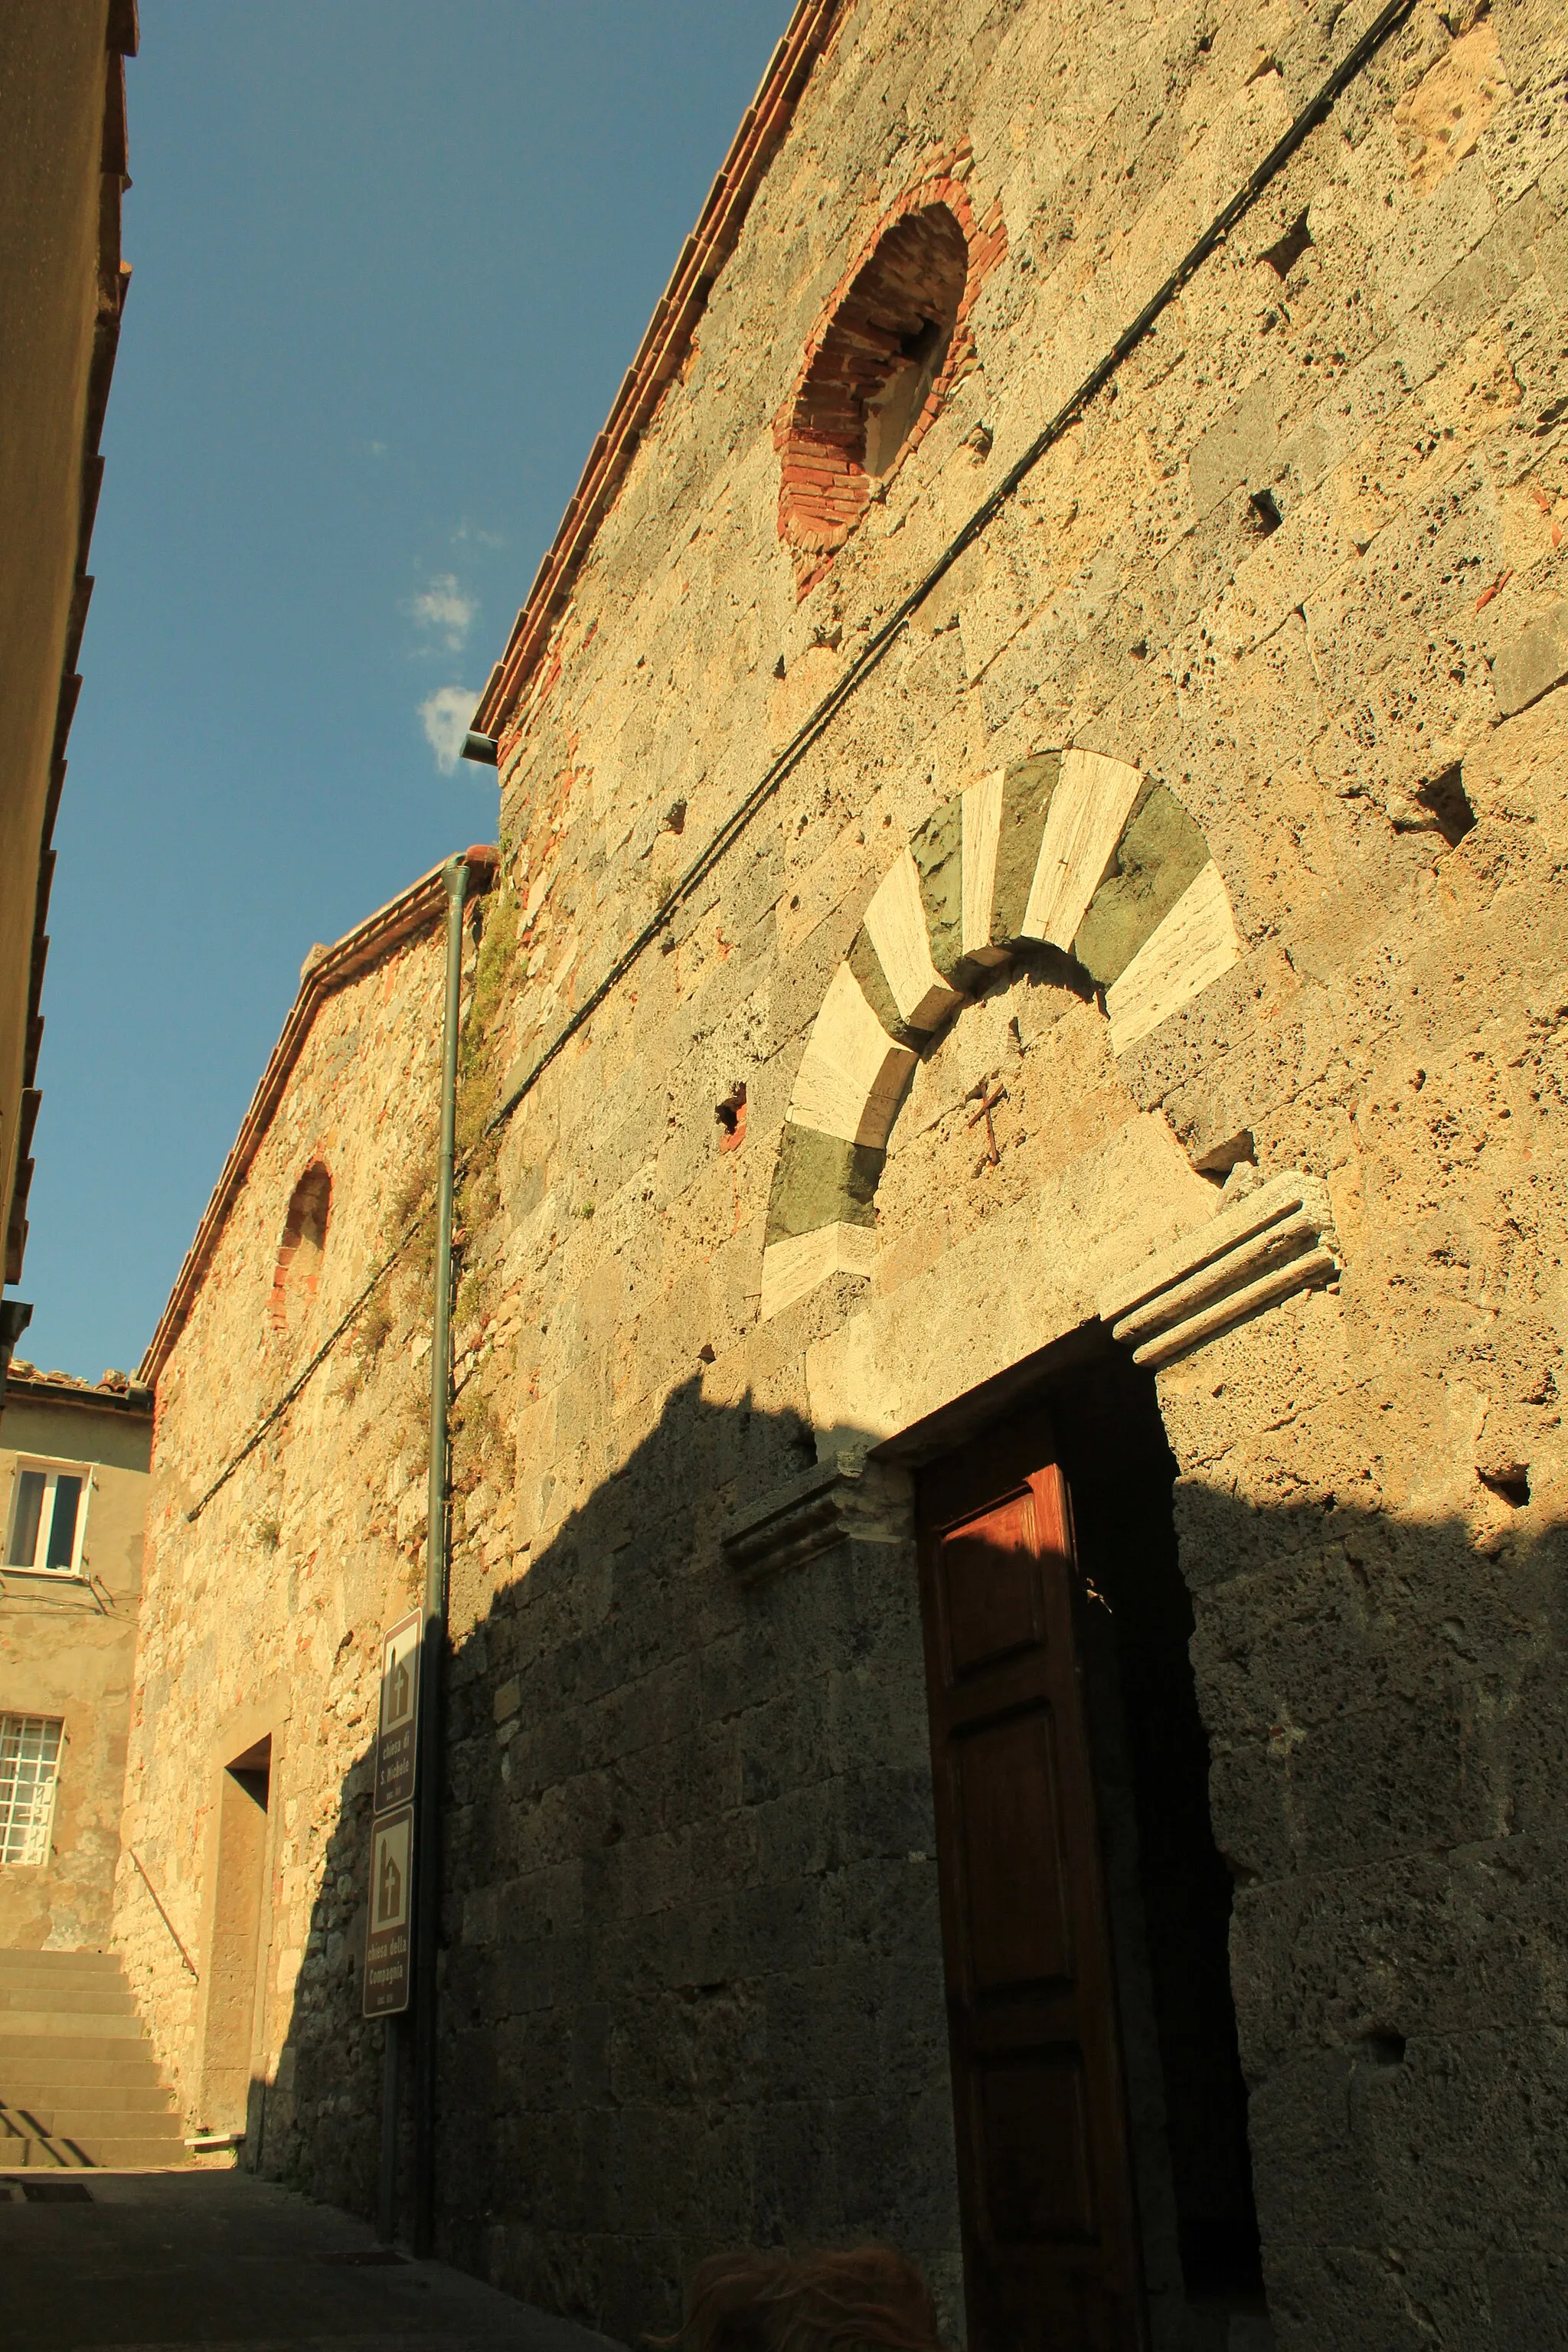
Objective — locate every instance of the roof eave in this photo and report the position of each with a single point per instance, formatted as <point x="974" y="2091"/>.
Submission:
<point x="400" y="919"/>
<point x="114" y="282"/>
<point x="81" y="1395"/>
<point x="663" y="348"/>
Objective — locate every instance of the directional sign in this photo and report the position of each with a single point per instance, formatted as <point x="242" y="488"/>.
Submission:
<point x="397" y="1735"/>
<point x="387" y="1945"/>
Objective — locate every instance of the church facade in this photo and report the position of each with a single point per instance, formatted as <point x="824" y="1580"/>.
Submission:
<point x="1005" y="1684"/>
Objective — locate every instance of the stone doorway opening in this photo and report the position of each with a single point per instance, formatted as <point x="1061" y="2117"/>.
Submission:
<point x="1100" y="2111"/>
<point x="235" y="1949"/>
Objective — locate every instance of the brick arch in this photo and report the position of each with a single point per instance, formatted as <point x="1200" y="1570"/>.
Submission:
<point x="893" y="338"/>
<point x="303" y="1246"/>
<point x="1066" y="849"/>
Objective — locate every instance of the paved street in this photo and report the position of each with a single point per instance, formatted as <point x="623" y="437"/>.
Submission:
<point x="149" y="2260"/>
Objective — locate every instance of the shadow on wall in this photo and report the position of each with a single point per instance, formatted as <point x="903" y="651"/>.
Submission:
<point x="692" y="1993"/>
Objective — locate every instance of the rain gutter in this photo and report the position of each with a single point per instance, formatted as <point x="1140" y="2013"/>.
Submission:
<point x="433" y="1638"/>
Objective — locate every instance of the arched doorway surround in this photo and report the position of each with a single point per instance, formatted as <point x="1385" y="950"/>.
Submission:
<point x="1069" y="851"/>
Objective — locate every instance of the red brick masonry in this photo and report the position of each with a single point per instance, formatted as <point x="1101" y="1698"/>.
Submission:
<point x="925" y="259"/>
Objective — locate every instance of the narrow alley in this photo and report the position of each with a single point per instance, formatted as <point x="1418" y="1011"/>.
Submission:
<point x="145" y="2260"/>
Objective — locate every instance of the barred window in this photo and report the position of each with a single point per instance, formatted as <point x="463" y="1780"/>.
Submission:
<point x="29" y="1770"/>
<point x="49" y="1517"/>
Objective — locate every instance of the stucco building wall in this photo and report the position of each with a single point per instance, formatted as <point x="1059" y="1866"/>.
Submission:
<point x="67" y="1644"/>
<point x="62" y="290"/>
<point x="1289" y="598"/>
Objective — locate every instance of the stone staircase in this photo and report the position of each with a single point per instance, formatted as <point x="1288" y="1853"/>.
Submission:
<point x="78" y="2084"/>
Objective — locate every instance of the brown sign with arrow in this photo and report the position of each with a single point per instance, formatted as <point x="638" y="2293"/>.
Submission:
<point x="397" y="1737"/>
<point x="387" y="1945"/>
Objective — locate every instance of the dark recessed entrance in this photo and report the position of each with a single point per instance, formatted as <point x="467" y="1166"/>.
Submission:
<point x="1101" y="2116"/>
<point x="229" y="2020"/>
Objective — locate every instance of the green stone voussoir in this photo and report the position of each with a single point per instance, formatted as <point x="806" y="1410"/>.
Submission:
<point x="1026" y="789"/>
<point x="1161" y="851"/>
<point x="820" y="1180"/>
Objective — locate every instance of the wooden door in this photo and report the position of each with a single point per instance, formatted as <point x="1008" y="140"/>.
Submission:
<point x="1051" y="2258"/>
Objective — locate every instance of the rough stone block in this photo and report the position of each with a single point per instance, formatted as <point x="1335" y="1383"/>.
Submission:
<point x="1529" y="666"/>
<point x="1238" y="451"/>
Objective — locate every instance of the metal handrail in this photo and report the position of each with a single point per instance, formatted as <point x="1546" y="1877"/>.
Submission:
<point x="163" y="1914"/>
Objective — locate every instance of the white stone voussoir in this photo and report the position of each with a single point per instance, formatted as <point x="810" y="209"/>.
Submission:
<point x="852" y="1075"/>
<point x="1194" y="944"/>
<point x="1091" y="802"/>
<point x="794" y="1266"/>
<point x="896" y="926"/>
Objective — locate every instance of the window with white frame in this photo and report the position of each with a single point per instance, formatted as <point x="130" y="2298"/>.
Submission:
<point x="49" y="1517"/>
<point x="29" y="1772"/>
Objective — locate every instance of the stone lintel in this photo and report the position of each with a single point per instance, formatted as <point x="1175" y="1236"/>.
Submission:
<point x="1021" y="1281"/>
<point x="1278" y="1240"/>
<point x="845" y="1498"/>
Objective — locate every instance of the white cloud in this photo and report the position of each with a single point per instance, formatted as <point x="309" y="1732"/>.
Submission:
<point x="448" y="714"/>
<point x="446" y="608"/>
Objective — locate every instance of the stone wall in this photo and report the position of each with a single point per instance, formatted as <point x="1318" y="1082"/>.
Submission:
<point x="66" y="1647"/>
<point x="1298" y="570"/>
<point x="262" y="1617"/>
<point x="1276" y="622"/>
<point x="694" y="1994"/>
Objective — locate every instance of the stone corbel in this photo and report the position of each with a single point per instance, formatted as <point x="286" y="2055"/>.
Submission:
<point x="846" y="1498"/>
<point x="1277" y="1240"/>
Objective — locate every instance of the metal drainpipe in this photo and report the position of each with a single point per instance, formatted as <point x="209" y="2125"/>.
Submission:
<point x="432" y="1641"/>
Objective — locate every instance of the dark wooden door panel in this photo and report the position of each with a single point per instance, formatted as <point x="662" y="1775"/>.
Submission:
<point x="990" y="1588"/>
<point x="1033" y="2119"/>
<point x="1009" y="1834"/>
<point x="1044" y="2179"/>
<point x="1056" y="2312"/>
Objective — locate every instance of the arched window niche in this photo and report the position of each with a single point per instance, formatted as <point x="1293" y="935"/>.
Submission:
<point x="892" y="341"/>
<point x="299" y="1253"/>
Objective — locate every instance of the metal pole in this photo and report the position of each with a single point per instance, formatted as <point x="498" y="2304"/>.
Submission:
<point x="390" y="2102"/>
<point x="433" y="1641"/>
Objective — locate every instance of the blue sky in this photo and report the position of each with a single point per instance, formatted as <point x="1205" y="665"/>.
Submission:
<point x="391" y="262"/>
